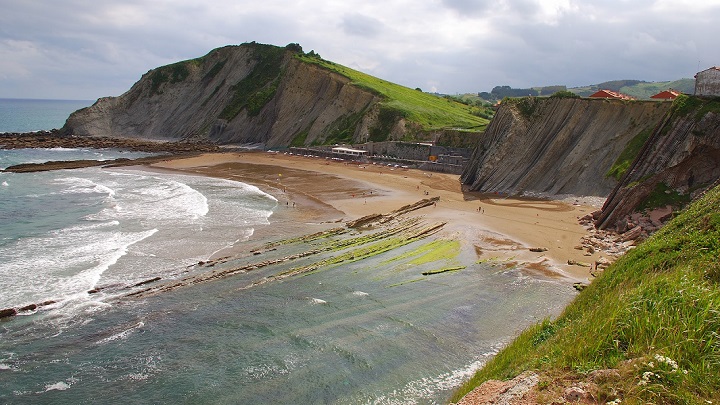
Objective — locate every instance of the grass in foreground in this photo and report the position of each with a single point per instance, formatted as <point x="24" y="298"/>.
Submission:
<point x="654" y="316"/>
<point x="427" y="110"/>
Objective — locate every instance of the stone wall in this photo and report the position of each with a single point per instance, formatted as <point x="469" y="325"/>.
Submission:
<point x="707" y="82"/>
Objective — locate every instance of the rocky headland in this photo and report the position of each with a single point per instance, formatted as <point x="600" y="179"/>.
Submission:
<point x="263" y="94"/>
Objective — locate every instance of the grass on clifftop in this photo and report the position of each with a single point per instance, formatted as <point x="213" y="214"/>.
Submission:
<point x="429" y="111"/>
<point x="654" y="316"/>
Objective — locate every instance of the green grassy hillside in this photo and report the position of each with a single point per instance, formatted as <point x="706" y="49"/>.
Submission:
<point x="654" y="316"/>
<point x="428" y="111"/>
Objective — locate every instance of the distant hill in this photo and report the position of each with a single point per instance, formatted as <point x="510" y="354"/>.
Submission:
<point x="636" y="88"/>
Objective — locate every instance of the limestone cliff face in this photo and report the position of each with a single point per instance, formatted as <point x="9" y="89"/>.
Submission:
<point x="250" y="93"/>
<point x="554" y="146"/>
<point x="679" y="161"/>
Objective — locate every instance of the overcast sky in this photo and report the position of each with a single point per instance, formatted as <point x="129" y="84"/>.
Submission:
<point x="85" y="49"/>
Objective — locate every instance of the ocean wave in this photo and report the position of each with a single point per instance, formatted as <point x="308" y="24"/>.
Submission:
<point x="88" y="227"/>
<point x="80" y="185"/>
<point x="122" y="335"/>
<point x="317" y="301"/>
<point x="190" y="218"/>
<point x="420" y="390"/>
<point x="60" y="149"/>
<point x="58" y="386"/>
<point x="61" y="264"/>
<point x="166" y="198"/>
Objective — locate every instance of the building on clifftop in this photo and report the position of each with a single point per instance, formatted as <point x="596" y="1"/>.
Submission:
<point x="668" y="94"/>
<point x="707" y="82"/>
<point x="609" y="94"/>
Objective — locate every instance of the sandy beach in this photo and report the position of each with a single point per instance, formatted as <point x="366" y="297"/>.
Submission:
<point x="316" y="190"/>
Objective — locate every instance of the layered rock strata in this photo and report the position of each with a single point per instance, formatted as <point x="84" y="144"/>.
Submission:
<point x="251" y="93"/>
<point x="554" y="146"/>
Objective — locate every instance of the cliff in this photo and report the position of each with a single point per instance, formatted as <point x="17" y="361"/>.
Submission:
<point x="251" y="93"/>
<point x="553" y="146"/>
<point x="256" y="93"/>
<point x="678" y="162"/>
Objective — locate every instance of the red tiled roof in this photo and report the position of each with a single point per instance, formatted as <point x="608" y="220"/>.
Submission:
<point x="667" y="94"/>
<point x="611" y="94"/>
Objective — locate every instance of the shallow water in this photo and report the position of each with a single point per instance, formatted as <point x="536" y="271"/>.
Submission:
<point x="349" y="335"/>
<point x="371" y="331"/>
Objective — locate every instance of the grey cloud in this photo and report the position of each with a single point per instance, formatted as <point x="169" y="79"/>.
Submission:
<point x="470" y="7"/>
<point x="361" y="25"/>
<point x="86" y="50"/>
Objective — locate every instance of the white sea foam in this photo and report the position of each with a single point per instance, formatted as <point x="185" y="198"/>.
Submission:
<point x="62" y="263"/>
<point x="58" y="386"/>
<point x="138" y="376"/>
<point x="176" y="199"/>
<point x="360" y="294"/>
<point x="60" y="149"/>
<point x="268" y="370"/>
<point x="419" y="390"/>
<point x="80" y="185"/>
<point x="122" y="335"/>
<point x="118" y="248"/>
<point x="144" y="225"/>
<point x="317" y="301"/>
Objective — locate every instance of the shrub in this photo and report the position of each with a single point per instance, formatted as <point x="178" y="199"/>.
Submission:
<point x="564" y="94"/>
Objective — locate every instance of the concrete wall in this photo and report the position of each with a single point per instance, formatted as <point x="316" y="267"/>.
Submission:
<point x="400" y="150"/>
<point x="449" y="160"/>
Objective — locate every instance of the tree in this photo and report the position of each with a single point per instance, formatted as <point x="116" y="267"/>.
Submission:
<point x="295" y="47"/>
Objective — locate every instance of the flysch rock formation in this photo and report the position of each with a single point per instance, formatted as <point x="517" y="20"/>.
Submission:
<point x="557" y="146"/>
<point x="250" y="93"/>
<point x="681" y="157"/>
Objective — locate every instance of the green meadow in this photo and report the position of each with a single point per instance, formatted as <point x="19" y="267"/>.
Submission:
<point x="428" y="111"/>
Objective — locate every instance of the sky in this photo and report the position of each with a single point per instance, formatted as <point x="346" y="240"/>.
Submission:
<point x="86" y="49"/>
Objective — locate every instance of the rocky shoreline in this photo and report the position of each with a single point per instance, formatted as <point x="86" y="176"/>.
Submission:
<point x="55" y="138"/>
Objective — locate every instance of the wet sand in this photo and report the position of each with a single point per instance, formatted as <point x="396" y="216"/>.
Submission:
<point x="317" y="191"/>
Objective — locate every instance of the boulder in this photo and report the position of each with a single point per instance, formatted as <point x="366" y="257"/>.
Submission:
<point x="632" y="234"/>
<point x="574" y="394"/>
<point x="8" y="312"/>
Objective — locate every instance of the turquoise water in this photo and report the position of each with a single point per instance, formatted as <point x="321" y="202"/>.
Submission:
<point x="368" y="332"/>
<point x="28" y="115"/>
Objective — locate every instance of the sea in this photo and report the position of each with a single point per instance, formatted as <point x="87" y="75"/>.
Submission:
<point x="363" y="333"/>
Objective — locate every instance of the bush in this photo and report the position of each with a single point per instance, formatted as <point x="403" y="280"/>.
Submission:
<point x="564" y="94"/>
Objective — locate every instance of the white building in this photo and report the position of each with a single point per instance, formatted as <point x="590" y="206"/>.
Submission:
<point x="349" y="152"/>
<point x="707" y="82"/>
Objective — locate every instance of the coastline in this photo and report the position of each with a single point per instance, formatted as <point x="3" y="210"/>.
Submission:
<point x="316" y="192"/>
<point x="509" y="289"/>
